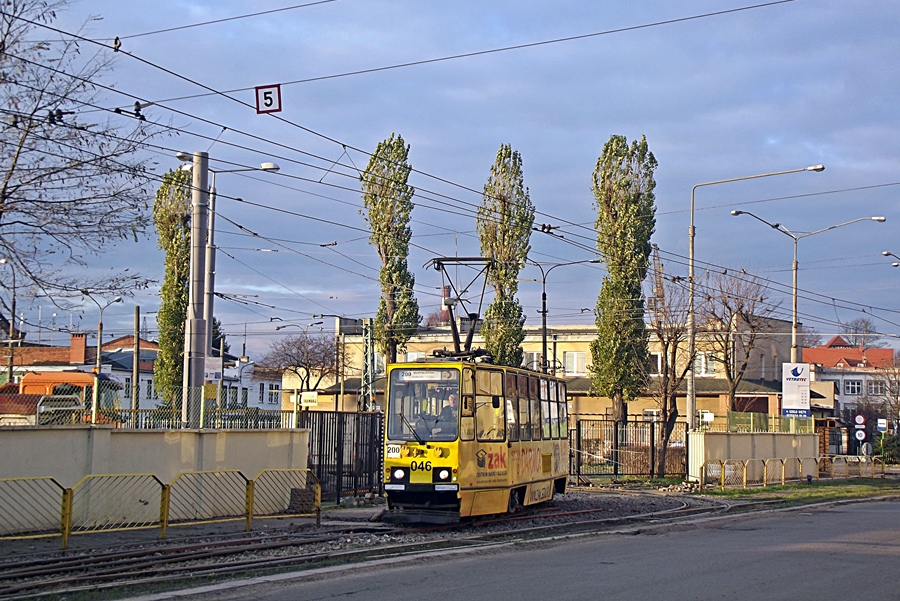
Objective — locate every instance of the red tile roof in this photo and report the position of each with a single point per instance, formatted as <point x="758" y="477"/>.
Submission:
<point x="837" y="352"/>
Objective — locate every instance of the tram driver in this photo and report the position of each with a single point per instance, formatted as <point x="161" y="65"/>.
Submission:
<point x="448" y="413"/>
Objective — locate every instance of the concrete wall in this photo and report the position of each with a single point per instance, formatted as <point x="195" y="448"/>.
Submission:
<point x="68" y="454"/>
<point x="719" y="446"/>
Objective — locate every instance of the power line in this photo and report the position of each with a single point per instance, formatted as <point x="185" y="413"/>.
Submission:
<point x="224" y="20"/>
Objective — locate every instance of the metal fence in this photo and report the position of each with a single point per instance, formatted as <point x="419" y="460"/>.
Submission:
<point x="742" y="421"/>
<point x="633" y="448"/>
<point x="41" y="507"/>
<point x="345" y="451"/>
<point x="766" y="472"/>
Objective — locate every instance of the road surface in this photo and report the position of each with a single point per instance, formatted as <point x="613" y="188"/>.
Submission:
<point x="847" y="551"/>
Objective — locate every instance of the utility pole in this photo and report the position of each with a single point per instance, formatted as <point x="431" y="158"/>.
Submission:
<point x="135" y="367"/>
<point x="195" y="323"/>
<point x="12" y="319"/>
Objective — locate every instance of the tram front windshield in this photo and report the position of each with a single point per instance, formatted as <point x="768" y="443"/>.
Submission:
<point x="420" y="407"/>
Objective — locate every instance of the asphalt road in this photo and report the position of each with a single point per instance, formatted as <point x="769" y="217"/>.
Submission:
<point x="847" y="551"/>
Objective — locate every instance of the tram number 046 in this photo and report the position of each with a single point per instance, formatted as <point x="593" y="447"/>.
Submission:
<point x="420" y="466"/>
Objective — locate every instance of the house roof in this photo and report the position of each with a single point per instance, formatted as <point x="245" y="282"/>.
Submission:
<point x="837" y="352"/>
<point x="127" y="343"/>
<point x="19" y="404"/>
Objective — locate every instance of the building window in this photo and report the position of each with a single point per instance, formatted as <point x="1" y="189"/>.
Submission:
<point x="876" y="388"/>
<point x="244" y="394"/>
<point x="127" y="390"/>
<point x="655" y="364"/>
<point x="262" y="393"/>
<point x="379" y="363"/>
<point x="852" y="387"/>
<point x="705" y="364"/>
<point x="415" y="356"/>
<point x="575" y="363"/>
<point x="149" y="389"/>
<point x="531" y="360"/>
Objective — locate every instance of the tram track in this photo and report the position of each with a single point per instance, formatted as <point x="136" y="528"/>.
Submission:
<point x="151" y="567"/>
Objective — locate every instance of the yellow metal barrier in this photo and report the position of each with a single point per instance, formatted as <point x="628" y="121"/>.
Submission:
<point x="756" y="472"/>
<point x="826" y="467"/>
<point x="41" y="507"/>
<point x="284" y="492"/>
<point x="792" y="469"/>
<point x="111" y="502"/>
<point x="211" y="496"/>
<point x="31" y="507"/>
<point x="774" y="472"/>
<point x="733" y="472"/>
<point x="710" y="472"/>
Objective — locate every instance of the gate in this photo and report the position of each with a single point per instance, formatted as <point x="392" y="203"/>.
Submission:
<point x="611" y="448"/>
<point x="345" y="451"/>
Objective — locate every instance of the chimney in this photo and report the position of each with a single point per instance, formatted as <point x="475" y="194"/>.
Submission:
<point x="78" y="349"/>
<point x="445" y="314"/>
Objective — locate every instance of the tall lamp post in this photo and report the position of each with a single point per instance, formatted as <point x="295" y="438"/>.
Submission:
<point x="691" y="408"/>
<point x="545" y="364"/>
<point x="197" y="334"/>
<point x="96" y="393"/>
<point x="778" y="227"/>
<point x="209" y="283"/>
<point x="12" y="319"/>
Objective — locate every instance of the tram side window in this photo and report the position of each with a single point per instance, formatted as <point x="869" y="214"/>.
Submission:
<point x="563" y="411"/>
<point x="554" y="412"/>
<point x="545" y="409"/>
<point x="535" y="403"/>
<point x="490" y="414"/>
<point x="524" y="414"/>
<point x="512" y="408"/>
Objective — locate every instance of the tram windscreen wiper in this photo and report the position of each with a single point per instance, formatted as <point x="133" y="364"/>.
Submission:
<point x="411" y="429"/>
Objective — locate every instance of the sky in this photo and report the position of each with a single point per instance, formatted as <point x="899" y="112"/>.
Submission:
<point x="721" y="90"/>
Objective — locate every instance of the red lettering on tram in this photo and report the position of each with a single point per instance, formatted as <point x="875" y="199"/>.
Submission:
<point x="496" y="460"/>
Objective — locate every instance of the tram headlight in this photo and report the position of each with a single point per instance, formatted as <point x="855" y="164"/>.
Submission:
<point x="399" y="474"/>
<point x="441" y="474"/>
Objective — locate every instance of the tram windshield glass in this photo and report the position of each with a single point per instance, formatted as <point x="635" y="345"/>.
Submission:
<point x="423" y="404"/>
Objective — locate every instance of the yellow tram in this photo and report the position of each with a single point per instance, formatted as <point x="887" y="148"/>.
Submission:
<point x="504" y="447"/>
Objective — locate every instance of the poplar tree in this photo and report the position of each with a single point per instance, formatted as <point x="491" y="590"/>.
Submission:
<point x="623" y="197"/>
<point x="172" y="216"/>
<point x="504" y="225"/>
<point x="387" y="198"/>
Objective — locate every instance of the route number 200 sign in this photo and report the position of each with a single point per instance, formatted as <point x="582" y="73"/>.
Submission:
<point x="268" y="99"/>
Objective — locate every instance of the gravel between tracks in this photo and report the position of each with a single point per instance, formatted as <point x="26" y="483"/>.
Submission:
<point x="602" y="503"/>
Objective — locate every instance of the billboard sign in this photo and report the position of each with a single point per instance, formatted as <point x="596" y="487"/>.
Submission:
<point x="795" y="390"/>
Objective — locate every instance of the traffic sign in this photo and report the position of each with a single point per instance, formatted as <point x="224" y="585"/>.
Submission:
<point x="860" y="420"/>
<point x="860" y="435"/>
<point x="882" y="424"/>
<point x="268" y="99"/>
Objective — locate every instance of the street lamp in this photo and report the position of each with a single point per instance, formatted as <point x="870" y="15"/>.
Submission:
<point x="117" y="299"/>
<point x="297" y="325"/>
<point x="210" y="257"/>
<point x="12" y="318"/>
<point x="796" y="238"/>
<point x="890" y="254"/>
<point x="96" y="393"/>
<point x="544" y="275"/>
<point x="692" y="330"/>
